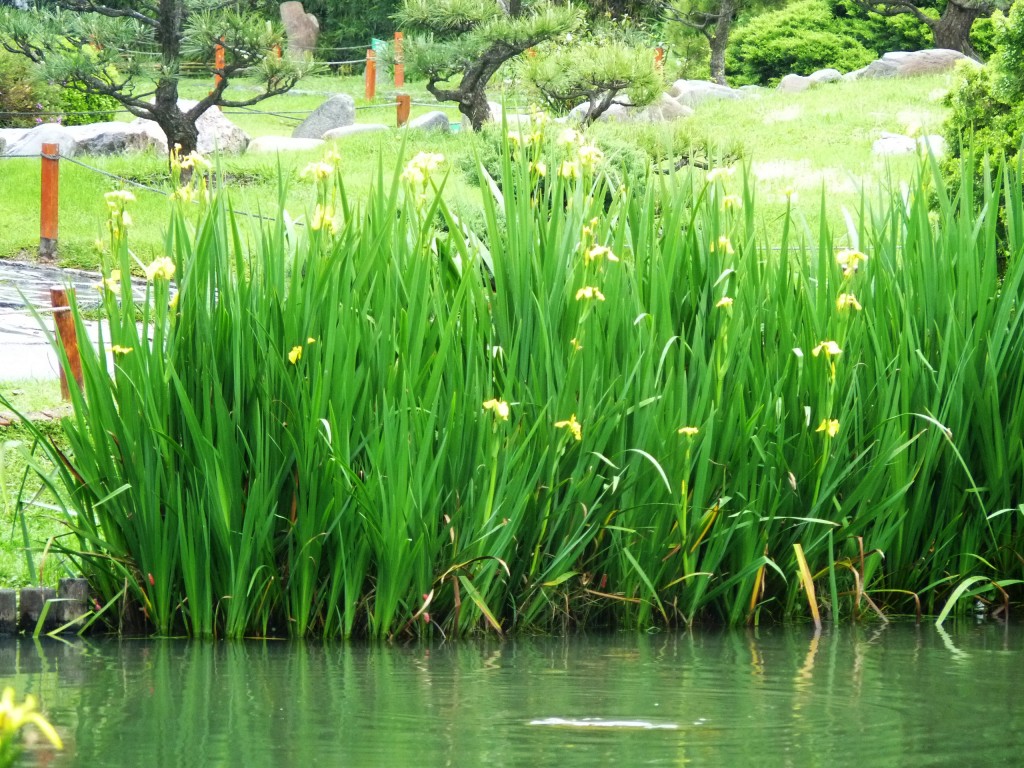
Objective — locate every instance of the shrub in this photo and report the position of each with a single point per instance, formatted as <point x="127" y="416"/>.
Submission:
<point x="81" y="108"/>
<point x="800" y="38"/>
<point x="23" y="98"/>
<point x="986" y="119"/>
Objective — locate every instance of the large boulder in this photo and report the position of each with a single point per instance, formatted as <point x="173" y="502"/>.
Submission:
<point x="930" y="61"/>
<point x="825" y="76"/>
<point x="690" y="93"/>
<point x="31" y="142"/>
<point x="216" y="132"/>
<point x="115" y="138"/>
<point x="432" y="121"/>
<point x="302" y="28"/>
<point x="663" y="109"/>
<point x="337" y="112"/>
<point x="794" y="84"/>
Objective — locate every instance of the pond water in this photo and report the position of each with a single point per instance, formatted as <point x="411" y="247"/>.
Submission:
<point x="854" y="696"/>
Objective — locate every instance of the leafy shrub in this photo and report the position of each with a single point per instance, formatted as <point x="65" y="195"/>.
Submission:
<point x="987" y="104"/>
<point x="23" y="98"/>
<point x="81" y="108"/>
<point x="882" y="34"/>
<point x="800" y="38"/>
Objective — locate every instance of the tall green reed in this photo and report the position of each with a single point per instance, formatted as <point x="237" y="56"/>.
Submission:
<point x="610" y="408"/>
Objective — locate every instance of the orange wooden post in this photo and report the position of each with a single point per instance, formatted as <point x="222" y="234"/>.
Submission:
<point x="404" y="107"/>
<point x="48" y="195"/>
<point x="65" y="325"/>
<point x="399" y="61"/>
<point x="659" y="58"/>
<point x="371" y="74"/>
<point x="218" y="61"/>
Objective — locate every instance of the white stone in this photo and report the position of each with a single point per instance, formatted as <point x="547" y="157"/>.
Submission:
<point x="894" y="144"/>
<point x="351" y="130"/>
<point x="282" y="144"/>
<point x="794" y="84"/>
<point x="690" y="93"/>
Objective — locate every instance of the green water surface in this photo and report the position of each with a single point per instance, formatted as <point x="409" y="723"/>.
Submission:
<point x="898" y="695"/>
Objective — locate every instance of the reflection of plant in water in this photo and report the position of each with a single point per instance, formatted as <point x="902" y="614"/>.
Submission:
<point x="13" y="718"/>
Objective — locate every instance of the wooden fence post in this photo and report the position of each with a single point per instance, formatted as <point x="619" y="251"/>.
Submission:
<point x="659" y="58"/>
<point x="371" y="74"/>
<point x="404" y="107"/>
<point x="49" y="177"/>
<point x="399" y="61"/>
<point x="218" y="61"/>
<point x="65" y="325"/>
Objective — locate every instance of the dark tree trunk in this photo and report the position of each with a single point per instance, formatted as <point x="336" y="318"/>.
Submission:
<point x="719" y="40"/>
<point x="953" y="29"/>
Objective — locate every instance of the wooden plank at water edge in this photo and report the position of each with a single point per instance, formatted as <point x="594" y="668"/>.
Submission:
<point x="65" y="326"/>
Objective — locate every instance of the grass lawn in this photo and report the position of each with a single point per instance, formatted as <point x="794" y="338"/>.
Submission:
<point x="817" y="143"/>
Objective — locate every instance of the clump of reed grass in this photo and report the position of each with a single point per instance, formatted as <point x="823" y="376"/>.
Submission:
<point x="614" y="409"/>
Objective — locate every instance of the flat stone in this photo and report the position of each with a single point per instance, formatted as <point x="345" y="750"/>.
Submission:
<point x="281" y="144"/>
<point x="432" y="121"/>
<point x="337" y="112"/>
<point x="893" y="144"/>
<point x="351" y="130"/>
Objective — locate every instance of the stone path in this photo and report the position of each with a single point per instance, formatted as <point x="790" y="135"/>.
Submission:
<point x="25" y="352"/>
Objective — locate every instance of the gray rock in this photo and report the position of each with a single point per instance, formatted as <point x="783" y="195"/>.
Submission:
<point x="496" y="111"/>
<point x="432" y="121"/>
<point x="664" y="110"/>
<point x="31" y="142"/>
<point x="302" y="28"/>
<point x="114" y="138"/>
<point x="3" y="144"/>
<point x="216" y="132"/>
<point x="910" y="64"/>
<point x="281" y="144"/>
<point x="690" y="93"/>
<point x="351" y="130"/>
<point x="825" y="76"/>
<point x="794" y="84"/>
<point x="337" y="112"/>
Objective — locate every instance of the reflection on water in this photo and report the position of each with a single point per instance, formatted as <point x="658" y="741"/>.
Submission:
<point x="859" y="696"/>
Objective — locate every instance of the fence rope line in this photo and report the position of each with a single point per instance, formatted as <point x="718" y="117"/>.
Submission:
<point x="122" y="179"/>
<point x="149" y="188"/>
<point x="386" y="105"/>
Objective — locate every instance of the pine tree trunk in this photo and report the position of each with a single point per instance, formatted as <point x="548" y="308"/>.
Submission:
<point x="953" y="29"/>
<point x="719" y="40"/>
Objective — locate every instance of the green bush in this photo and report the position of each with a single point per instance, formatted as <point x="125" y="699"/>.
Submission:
<point x="81" y="108"/>
<point x="23" y="98"/>
<point x="800" y="38"/>
<point x="881" y="34"/>
<point x="986" y="119"/>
